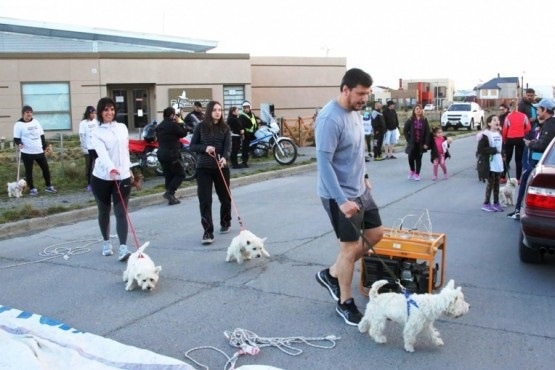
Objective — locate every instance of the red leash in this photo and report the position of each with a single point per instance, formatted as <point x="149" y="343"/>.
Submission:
<point x="213" y="155"/>
<point x="127" y="215"/>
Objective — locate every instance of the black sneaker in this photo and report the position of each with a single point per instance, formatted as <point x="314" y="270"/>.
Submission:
<point x="514" y="215"/>
<point x="207" y="238"/>
<point x="349" y="312"/>
<point x="224" y="229"/>
<point x="329" y="282"/>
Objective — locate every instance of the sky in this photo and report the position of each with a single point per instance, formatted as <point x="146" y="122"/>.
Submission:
<point x="469" y="42"/>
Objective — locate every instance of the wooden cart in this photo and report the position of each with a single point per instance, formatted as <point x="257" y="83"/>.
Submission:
<point x="411" y="244"/>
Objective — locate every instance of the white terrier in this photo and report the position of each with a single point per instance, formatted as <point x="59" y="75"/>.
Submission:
<point x="417" y="312"/>
<point x="141" y="271"/>
<point x="15" y="189"/>
<point x="506" y="192"/>
<point x="246" y="246"/>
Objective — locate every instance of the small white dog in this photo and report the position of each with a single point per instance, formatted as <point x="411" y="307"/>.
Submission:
<point x="141" y="271"/>
<point x="506" y="192"/>
<point x="246" y="246"/>
<point x="417" y="312"/>
<point x="15" y="189"/>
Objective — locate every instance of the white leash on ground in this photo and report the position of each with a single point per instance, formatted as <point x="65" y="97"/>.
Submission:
<point x="251" y="344"/>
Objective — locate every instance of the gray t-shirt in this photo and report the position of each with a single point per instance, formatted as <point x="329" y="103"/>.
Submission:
<point x="339" y="136"/>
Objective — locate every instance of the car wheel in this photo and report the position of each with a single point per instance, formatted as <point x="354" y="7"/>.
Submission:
<point x="471" y="126"/>
<point x="528" y="255"/>
<point x="481" y="123"/>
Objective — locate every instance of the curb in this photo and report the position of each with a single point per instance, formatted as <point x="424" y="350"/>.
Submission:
<point x="13" y="229"/>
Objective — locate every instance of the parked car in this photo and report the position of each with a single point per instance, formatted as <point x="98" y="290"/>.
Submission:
<point x="467" y="115"/>
<point x="429" y="107"/>
<point x="537" y="214"/>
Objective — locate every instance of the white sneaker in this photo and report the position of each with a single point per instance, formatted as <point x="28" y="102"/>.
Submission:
<point x="123" y="253"/>
<point x="107" y="248"/>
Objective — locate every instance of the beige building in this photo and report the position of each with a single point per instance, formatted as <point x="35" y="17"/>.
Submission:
<point x="60" y="71"/>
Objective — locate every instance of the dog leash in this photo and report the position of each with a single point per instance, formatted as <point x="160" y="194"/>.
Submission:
<point x="239" y="220"/>
<point x="127" y="215"/>
<point x="18" y="161"/>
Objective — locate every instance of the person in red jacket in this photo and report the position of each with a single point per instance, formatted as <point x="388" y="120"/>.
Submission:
<point x="515" y="127"/>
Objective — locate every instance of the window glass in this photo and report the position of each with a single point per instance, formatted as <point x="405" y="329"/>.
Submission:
<point x="50" y="103"/>
<point x="234" y="96"/>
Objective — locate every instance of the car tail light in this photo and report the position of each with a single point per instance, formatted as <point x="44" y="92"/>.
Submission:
<point x="539" y="195"/>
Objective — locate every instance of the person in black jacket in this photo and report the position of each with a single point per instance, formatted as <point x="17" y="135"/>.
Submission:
<point x="212" y="141"/>
<point x="195" y="117"/>
<point x="168" y="133"/>
<point x="237" y="133"/>
<point x="418" y="137"/>
<point x="249" y="122"/>
<point x="391" y="126"/>
<point x="378" y="128"/>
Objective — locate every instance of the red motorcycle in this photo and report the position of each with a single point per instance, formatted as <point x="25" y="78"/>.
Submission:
<point x="143" y="155"/>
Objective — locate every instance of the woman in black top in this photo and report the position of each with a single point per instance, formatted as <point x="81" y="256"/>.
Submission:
<point x="212" y="141"/>
<point x="168" y="133"/>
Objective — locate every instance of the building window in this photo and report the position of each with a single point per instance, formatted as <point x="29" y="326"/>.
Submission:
<point x="234" y="96"/>
<point x="50" y="103"/>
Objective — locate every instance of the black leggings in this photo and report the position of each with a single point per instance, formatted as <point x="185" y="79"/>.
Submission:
<point x="205" y="178"/>
<point x="493" y="186"/>
<point x="415" y="159"/>
<point x="90" y="158"/>
<point x="516" y="145"/>
<point x="28" y="160"/>
<point x="105" y="192"/>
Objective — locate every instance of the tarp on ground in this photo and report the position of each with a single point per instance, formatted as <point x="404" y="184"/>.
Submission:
<point x="30" y="341"/>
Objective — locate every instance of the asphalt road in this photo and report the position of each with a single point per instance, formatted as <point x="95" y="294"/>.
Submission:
<point x="199" y="296"/>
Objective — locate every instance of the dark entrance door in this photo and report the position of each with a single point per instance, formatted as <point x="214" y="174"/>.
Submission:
<point x="132" y="105"/>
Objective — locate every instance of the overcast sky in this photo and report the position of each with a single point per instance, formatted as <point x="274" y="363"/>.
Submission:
<point x="468" y="41"/>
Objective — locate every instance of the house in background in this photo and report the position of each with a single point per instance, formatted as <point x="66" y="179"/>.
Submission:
<point x="498" y="90"/>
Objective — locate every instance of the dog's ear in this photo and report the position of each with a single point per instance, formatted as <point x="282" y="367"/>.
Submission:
<point x="451" y="284"/>
<point x="158" y="269"/>
<point x="264" y="239"/>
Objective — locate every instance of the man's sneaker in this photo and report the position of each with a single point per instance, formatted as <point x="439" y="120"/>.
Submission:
<point x="497" y="207"/>
<point x="487" y="207"/>
<point x="107" y="248"/>
<point x="514" y="215"/>
<point x="224" y="229"/>
<point x="330" y="283"/>
<point x="123" y="253"/>
<point x="392" y="157"/>
<point x="50" y="189"/>
<point x="207" y="238"/>
<point x="411" y="175"/>
<point x="379" y="158"/>
<point x="33" y="192"/>
<point x="349" y="312"/>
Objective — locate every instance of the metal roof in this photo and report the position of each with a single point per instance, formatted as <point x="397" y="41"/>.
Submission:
<point x="494" y="83"/>
<point x="31" y="36"/>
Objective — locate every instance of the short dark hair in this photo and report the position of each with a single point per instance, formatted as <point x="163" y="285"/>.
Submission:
<point x="26" y="108"/>
<point x="530" y="91"/>
<point x="390" y="103"/>
<point x="503" y="105"/>
<point x="354" y="77"/>
<point x="198" y="104"/>
<point x="168" y="112"/>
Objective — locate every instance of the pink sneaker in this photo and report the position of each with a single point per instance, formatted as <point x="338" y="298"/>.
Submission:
<point x="411" y="175"/>
<point x="445" y="176"/>
<point x="416" y="177"/>
<point x="434" y="178"/>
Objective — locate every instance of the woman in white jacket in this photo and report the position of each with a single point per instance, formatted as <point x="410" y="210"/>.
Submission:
<point x="111" y="172"/>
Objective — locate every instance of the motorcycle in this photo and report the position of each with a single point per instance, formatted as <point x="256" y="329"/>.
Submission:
<point x="143" y="155"/>
<point x="267" y="138"/>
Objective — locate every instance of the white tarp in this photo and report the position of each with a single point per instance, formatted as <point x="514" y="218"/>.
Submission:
<point x="29" y="341"/>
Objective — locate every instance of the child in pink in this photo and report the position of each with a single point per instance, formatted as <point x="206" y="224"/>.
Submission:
<point x="439" y="151"/>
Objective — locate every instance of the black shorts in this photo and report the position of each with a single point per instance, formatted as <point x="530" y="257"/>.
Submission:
<point x="349" y="229"/>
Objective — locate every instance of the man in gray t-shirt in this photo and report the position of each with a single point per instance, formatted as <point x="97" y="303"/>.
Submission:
<point x="344" y="187"/>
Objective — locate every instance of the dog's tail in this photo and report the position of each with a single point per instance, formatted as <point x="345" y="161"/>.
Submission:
<point x="376" y="287"/>
<point x="143" y="247"/>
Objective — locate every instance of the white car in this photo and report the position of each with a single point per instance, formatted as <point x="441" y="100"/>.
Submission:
<point x="429" y="107"/>
<point x="467" y="115"/>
